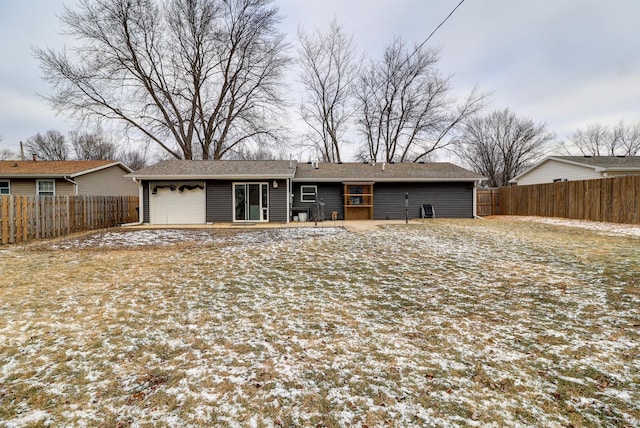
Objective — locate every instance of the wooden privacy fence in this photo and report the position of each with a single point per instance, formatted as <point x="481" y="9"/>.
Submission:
<point x="615" y="200"/>
<point x="23" y="218"/>
<point x="488" y="202"/>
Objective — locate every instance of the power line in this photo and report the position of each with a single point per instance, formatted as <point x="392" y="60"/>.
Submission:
<point x="434" y="31"/>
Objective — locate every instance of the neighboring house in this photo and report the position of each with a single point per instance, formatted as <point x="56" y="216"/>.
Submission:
<point x="571" y="168"/>
<point x="104" y="178"/>
<point x="198" y="192"/>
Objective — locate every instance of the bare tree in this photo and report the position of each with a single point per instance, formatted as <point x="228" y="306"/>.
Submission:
<point x="627" y="139"/>
<point x="50" y="146"/>
<point x="406" y="109"/>
<point x="134" y="159"/>
<point x="501" y="145"/>
<point x="328" y="69"/>
<point x="261" y="153"/>
<point x="600" y="140"/>
<point x="93" y="146"/>
<point x="87" y="145"/>
<point x="197" y="77"/>
<point x="6" y="154"/>
<point x="596" y="140"/>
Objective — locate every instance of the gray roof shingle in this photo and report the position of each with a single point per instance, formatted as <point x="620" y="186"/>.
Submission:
<point x="72" y="168"/>
<point x="229" y="169"/>
<point x="379" y="172"/>
<point x="603" y="161"/>
<point x="324" y="172"/>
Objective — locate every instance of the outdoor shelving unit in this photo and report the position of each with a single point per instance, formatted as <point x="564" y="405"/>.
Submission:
<point x="358" y="201"/>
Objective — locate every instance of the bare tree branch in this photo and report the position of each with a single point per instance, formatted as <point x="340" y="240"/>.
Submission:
<point x="600" y="140"/>
<point x="50" y="146"/>
<point x="406" y="111"/>
<point x="328" y="72"/>
<point x="196" y="77"/>
<point x="627" y="139"/>
<point x="502" y="145"/>
<point x="93" y="145"/>
<point x="84" y="145"/>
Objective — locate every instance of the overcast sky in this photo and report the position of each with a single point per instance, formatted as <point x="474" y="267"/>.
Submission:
<point x="568" y="63"/>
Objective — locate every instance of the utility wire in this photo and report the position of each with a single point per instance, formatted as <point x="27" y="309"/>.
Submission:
<point x="434" y="31"/>
<point x="406" y="60"/>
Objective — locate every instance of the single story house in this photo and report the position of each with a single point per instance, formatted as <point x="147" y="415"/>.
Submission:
<point x="571" y="168"/>
<point x="199" y="192"/>
<point x="65" y="178"/>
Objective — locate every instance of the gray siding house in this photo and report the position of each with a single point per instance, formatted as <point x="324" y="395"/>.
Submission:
<point x="377" y="191"/>
<point x="571" y="168"/>
<point x="199" y="192"/>
<point x="65" y="178"/>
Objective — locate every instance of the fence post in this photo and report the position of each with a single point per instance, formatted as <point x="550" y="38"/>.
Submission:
<point x="12" y="219"/>
<point x="4" y="218"/>
<point x="25" y="221"/>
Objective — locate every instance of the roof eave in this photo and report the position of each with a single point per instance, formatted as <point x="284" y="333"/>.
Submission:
<point x="621" y="169"/>
<point x="98" y="168"/>
<point x="71" y="174"/>
<point x="183" y="177"/>
<point x="387" y="180"/>
<point x="34" y="175"/>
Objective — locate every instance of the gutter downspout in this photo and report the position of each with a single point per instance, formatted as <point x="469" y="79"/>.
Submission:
<point x="75" y="185"/>
<point x="475" y="200"/>
<point x="140" y="206"/>
<point x="289" y="193"/>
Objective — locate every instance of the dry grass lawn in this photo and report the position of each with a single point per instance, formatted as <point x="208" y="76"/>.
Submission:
<point x="446" y="323"/>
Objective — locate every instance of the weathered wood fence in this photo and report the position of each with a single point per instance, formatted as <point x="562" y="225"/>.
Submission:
<point x="615" y="200"/>
<point x="488" y="202"/>
<point x="24" y="218"/>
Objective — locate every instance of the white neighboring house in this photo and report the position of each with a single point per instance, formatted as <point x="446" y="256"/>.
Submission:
<point x="571" y="168"/>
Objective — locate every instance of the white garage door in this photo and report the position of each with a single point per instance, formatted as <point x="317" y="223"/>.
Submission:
<point x="176" y="207"/>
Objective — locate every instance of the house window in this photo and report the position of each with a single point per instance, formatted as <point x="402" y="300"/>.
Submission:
<point x="308" y="193"/>
<point x="46" y="187"/>
<point x="5" y="188"/>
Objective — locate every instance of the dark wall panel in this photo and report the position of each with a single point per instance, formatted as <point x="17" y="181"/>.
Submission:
<point x="219" y="202"/>
<point x="329" y="193"/>
<point x="145" y="202"/>
<point x="450" y="200"/>
<point x="278" y="202"/>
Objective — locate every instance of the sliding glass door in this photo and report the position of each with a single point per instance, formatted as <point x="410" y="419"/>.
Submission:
<point x="251" y="201"/>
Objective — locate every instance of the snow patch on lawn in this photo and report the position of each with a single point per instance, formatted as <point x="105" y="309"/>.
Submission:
<point x="168" y="237"/>
<point x="605" y="228"/>
<point x="441" y="324"/>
